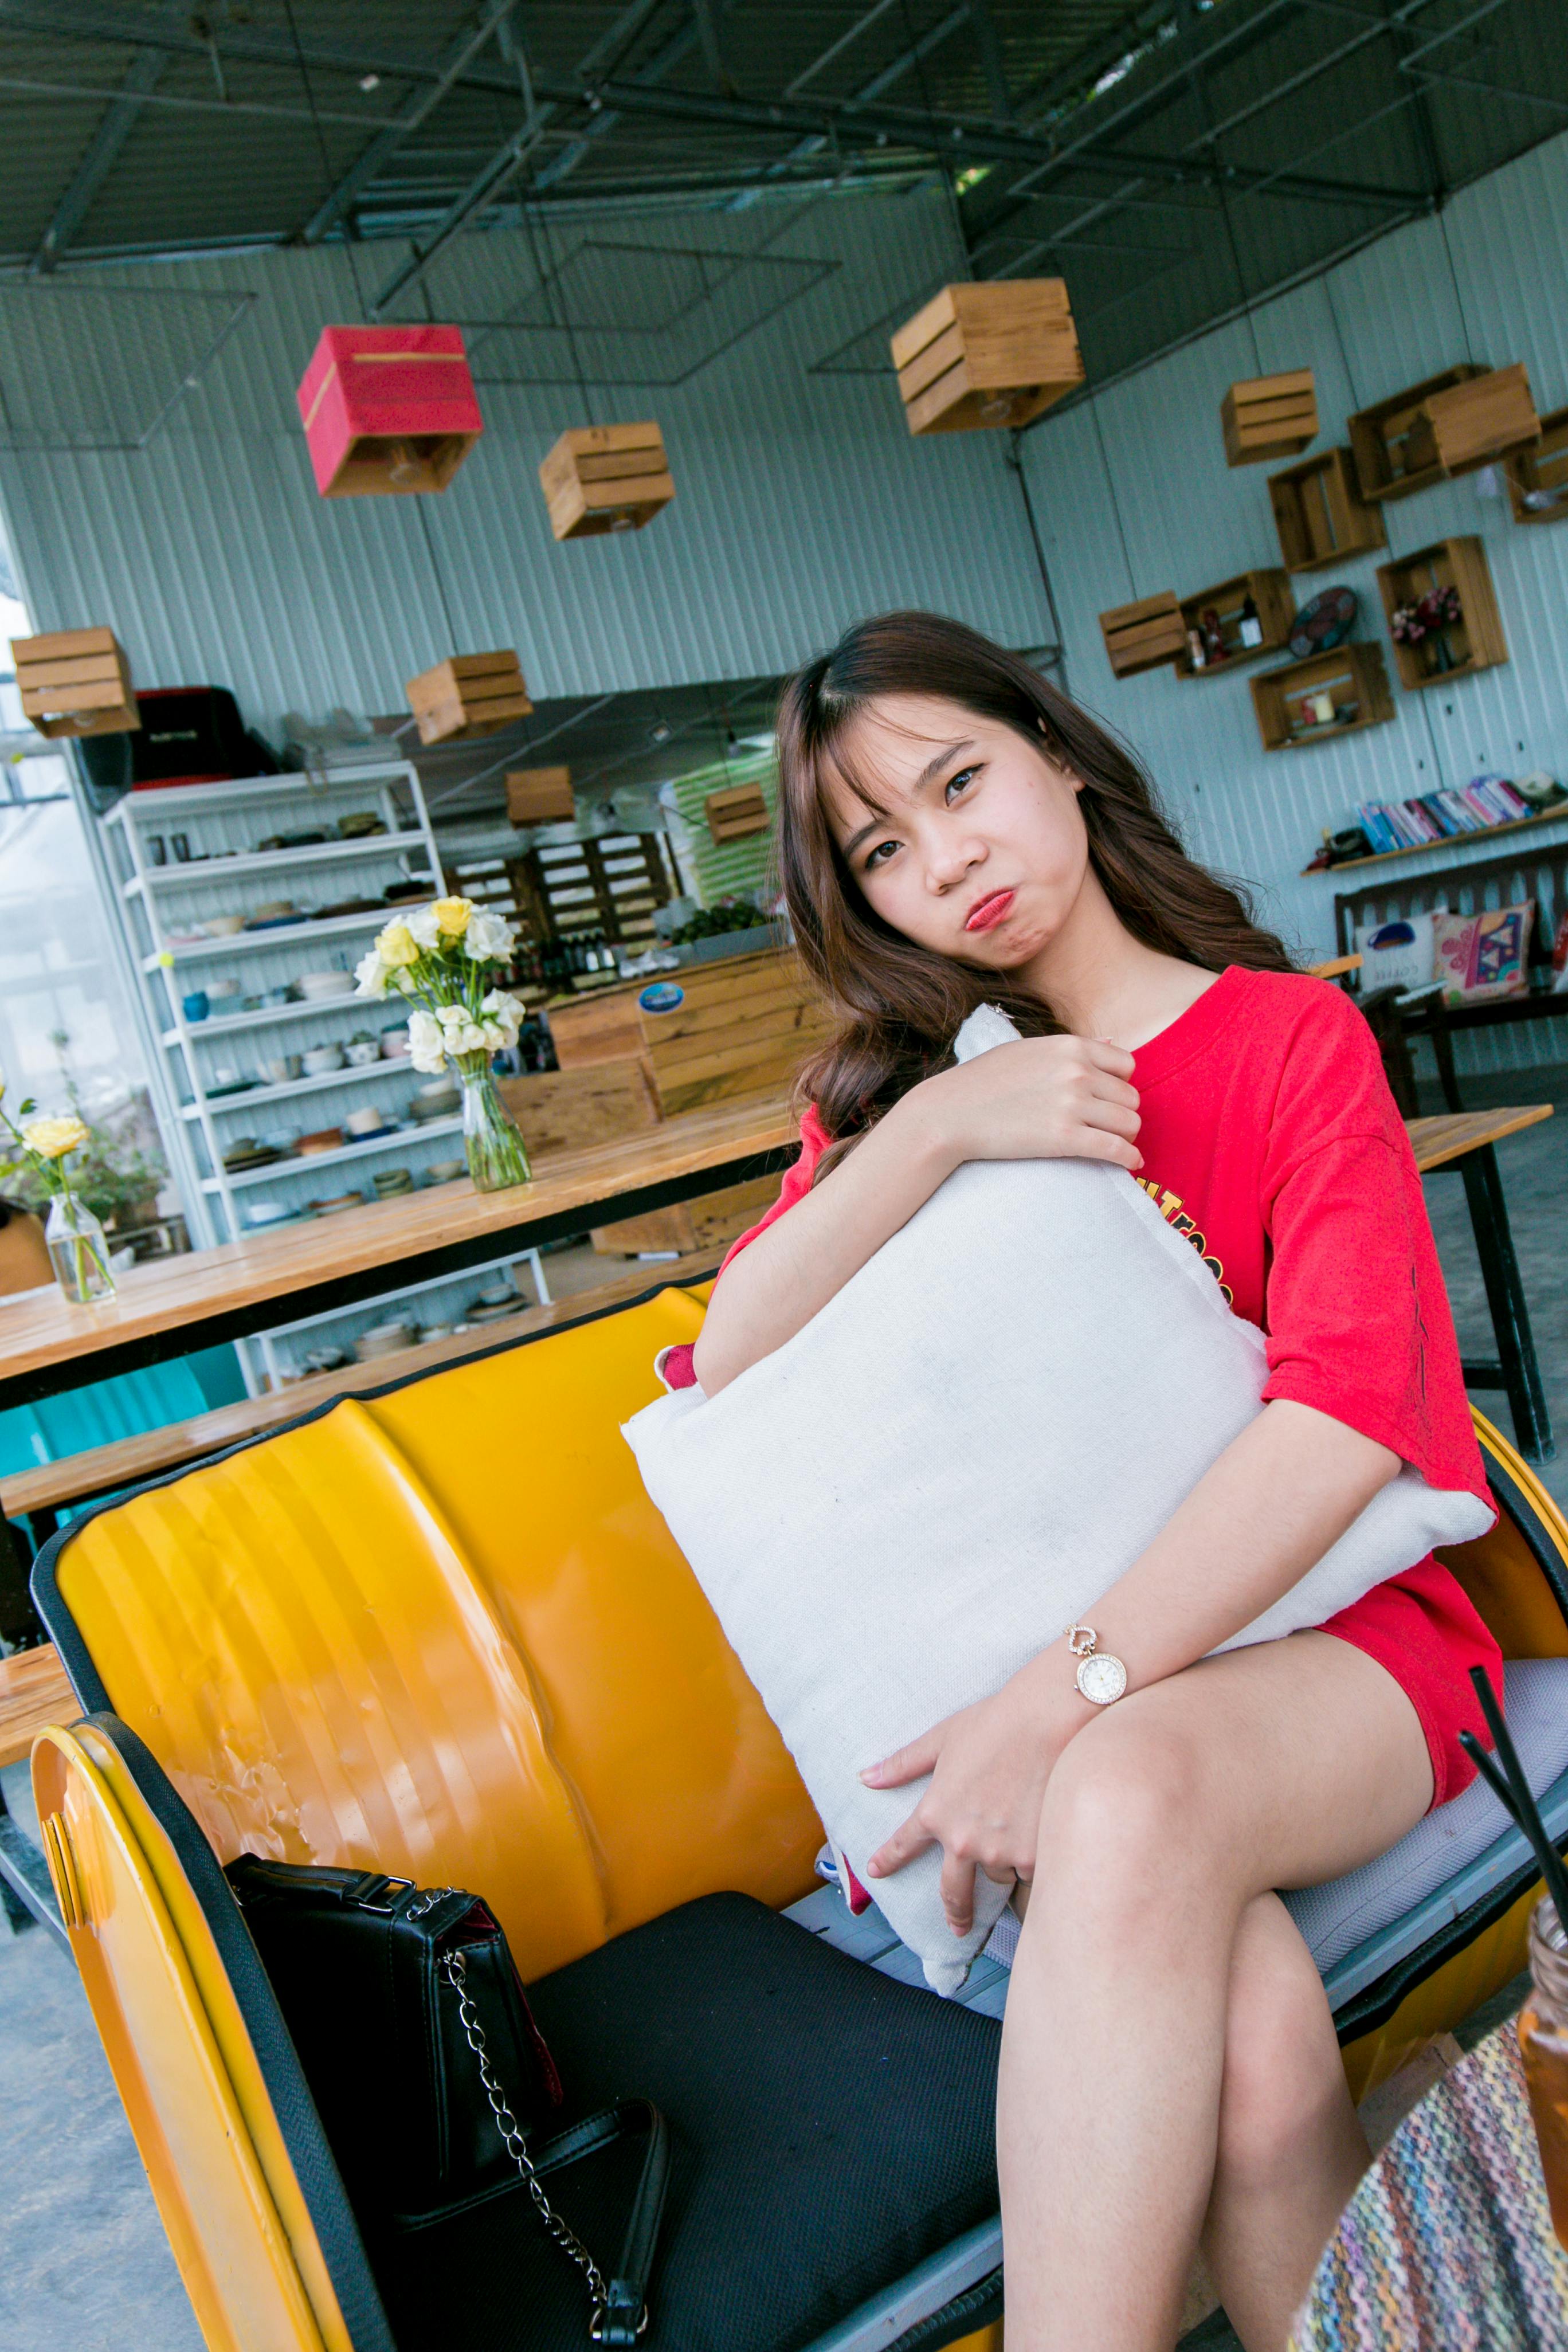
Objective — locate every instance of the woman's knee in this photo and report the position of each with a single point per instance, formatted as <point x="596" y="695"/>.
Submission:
<point x="1282" y="2085"/>
<point x="1125" y="1801"/>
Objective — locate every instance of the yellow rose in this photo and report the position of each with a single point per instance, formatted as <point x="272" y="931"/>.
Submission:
<point x="452" y="917"/>
<point x="51" y="1139"/>
<point x="397" y="946"/>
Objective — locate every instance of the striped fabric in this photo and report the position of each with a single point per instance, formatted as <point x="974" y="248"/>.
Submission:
<point x="1447" y="2244"/>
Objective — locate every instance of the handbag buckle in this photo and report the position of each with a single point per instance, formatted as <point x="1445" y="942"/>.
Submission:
<point x="388" y="1889"/>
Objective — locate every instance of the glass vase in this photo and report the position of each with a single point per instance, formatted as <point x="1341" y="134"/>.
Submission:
<point x="491" y="1144"/>
<point x="1543" y="2043"/>
<point x="78" y="1251"/>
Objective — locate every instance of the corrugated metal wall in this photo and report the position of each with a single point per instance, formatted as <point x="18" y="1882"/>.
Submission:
<point x="1133" y="496"/>
<point x="801" y="499"/>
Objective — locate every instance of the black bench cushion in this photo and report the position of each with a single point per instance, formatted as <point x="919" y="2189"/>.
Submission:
<point x="830" y="2129"/>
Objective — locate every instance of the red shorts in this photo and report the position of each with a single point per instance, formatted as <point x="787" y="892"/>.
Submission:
<point x="1424" y="1630"/>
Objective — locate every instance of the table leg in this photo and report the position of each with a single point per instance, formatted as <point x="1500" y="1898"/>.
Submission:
<point x="25" y="1886"/>
<point x="1521" y="1374"/>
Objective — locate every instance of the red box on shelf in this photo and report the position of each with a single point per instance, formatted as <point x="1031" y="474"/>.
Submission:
<point x="388" y="410"/>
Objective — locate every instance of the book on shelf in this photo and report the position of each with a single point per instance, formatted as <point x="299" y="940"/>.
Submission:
<point x="1444" y="814"/>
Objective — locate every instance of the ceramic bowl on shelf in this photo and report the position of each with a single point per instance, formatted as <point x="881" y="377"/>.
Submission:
<point x="438" y="1099"/>
<point x="358" y="825"/>
<point x="261" y="1214"/>
<point x="443" y="1171"/>
<point x="361" y="1052"/>
<point x="394" y="1042"/>
<point x="271" y="997"/>
<point x="320" y="1059"/>
<point x="362" y="1124"/>
<point x="221" y="927"/>
<point x="390" y="1182"/>
<point x="326" y="1359"/>
<point x="330" y="1208"/>
<point x="219" y="992"/>
<point x="283" y="1068"/>
<point x="323" y="1139"/>
<point x="317" y="987"/>
<point x="276" y="910"/>
<point x="384" y="1340"/>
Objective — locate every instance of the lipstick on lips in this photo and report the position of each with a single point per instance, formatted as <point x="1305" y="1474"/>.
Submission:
<point x="992" y="910"/>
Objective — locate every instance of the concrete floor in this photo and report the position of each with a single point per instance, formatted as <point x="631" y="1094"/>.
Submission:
<point x="85" y="2260"/>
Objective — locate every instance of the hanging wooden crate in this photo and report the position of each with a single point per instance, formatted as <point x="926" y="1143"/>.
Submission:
<point x="602" y="477"/>
<point x="1269" y="416"/>
<point x="735" y="814"/>
<point x="1538" y="478"/>
<point x="1475" y="641"/>
<point x="986" y="355"/>
<point x="1224" y="607"/>
<point x="1145" y="636"/>
<point x="1352" y="678"/>
<point x="540" y="796"/>
<point x="76" y="682"/>
<point x="1320" y="514"/>
<point x="387" y="411"/>
<point x="468" y="695"/>
<point x="1450" y="424"/>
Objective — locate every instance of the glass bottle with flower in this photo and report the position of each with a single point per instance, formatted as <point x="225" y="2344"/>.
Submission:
<point x="77" y="1246"/>
<point x="441" y="958"/>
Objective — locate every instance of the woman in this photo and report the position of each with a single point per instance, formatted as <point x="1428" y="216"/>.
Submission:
<point x="954" y="831"/>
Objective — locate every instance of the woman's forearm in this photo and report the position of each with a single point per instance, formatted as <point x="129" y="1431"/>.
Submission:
<point x="805" y="1259"/>
<point x="1279" y="1496"/>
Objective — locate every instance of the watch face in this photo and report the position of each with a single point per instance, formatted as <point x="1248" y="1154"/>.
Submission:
<point x="1102" y="1679"/>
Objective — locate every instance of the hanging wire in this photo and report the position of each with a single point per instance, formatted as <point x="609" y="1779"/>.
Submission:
<point x="1459" y="297"/>
<point x="1093" y="405"/>
<point x="949" y="188"/>
<point x="327" y="165"/>
<point x="1328" y="288"/>
<point x="1236" y="265"/>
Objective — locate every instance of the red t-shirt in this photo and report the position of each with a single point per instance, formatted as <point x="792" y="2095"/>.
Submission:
<point x="1271" y="1140"/>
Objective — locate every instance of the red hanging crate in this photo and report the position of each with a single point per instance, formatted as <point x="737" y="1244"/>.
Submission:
<point x="388" y="410"/>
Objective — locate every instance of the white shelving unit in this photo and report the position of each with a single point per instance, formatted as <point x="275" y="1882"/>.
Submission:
<point x="261" y="1021"/>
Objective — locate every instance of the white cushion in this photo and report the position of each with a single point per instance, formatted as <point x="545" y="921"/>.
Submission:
<point x="1400" y="954"/>
<point x="957" y="1456"/>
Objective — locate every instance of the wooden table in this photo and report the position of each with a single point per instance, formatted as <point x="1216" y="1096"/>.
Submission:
<point x="1464" y="1141"/>
<point x="1448" y="2240"/>
<point x="206" y="1298"/>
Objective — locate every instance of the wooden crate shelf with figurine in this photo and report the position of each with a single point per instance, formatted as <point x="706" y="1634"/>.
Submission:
<point x="1472" y="642"/>
<point x="76" y="682"/>
<point x="606" y="478"/>
<point x="1269" y="416"/>
<point x="540" y="796"/>
<point x="1447" y="424"/>
<point x="986" y="354"/>
<point x="1352" y="679"/>
<point x="736" y="814"/>
<point x="1538" y="478"/>
<point x="1320" y="514"/>
<point x="469" y="695"/>
<point x="1145" y="636"/>
<point x="1223" y="609"/>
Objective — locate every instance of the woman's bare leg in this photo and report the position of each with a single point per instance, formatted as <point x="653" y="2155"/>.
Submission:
<point x="1290" y="2149"/>
<point x="1277" y="1764"/>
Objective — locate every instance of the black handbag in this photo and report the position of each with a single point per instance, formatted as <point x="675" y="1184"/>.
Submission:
<point x="415" y="2037"/>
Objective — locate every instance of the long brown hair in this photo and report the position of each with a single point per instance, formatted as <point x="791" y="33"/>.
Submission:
<point x="900" y="1004"/>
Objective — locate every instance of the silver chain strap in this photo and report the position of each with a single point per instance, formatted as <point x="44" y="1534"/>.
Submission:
<point x="454" y="1967"/>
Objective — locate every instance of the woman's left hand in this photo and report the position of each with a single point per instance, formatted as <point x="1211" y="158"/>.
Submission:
<point x="989" y="1765"/>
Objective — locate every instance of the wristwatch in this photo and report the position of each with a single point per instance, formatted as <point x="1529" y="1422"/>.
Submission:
<point x="1101" y="1678"/>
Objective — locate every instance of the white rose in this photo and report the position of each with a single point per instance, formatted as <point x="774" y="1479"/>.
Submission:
<point x="427" y="1044"/>
<point x="488" y="939"/>
<point x="372" y="975"/>
<point x="424" y="929"/>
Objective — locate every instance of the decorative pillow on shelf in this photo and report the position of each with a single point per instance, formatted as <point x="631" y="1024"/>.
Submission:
<point x="1480" y="957"/>
<point x="953" y="1459"/>
<point x="1397" y="954"/>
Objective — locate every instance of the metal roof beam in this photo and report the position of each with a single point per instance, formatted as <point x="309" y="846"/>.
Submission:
<point x="992" y="59"/>
<point x="119" y="120"/>
<point x="451" y="65"/>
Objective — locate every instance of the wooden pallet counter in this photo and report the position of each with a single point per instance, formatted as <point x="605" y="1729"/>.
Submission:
<point x="740" y="1026"/>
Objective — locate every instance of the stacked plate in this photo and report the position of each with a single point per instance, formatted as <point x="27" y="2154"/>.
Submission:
<point x="384" y="1340"/>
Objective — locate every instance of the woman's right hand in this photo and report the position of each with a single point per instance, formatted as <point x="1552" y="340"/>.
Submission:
<point x="1036" y="1098"/>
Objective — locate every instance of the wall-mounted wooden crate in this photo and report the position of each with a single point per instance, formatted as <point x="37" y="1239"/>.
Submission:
<point x="1353" y="677"/>
<point x="468" y="695"/>
<point x="1145" y="636"/>
<point x="1320" y="514"/>
<point x="1275" y="609"/>
<point x="735" y="814"/>
<point x="988" y="354"/>
<point x="1473" y="642"/>
<point x="1269" y="416"/>
<point x="1538" y="478"/>
<point x="540" y="796"/>
<point x="1450" y="424"/>
<point x="601" y="477"/>
<point x="76" y="682"/>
